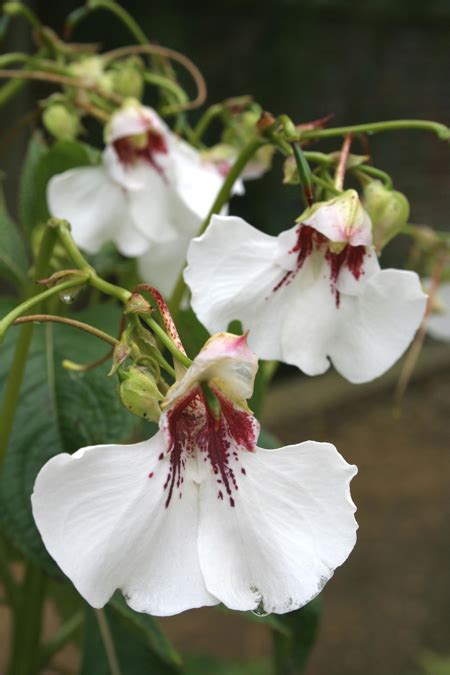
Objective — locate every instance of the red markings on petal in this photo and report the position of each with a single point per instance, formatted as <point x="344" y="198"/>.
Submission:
<point x="194" y="429"/>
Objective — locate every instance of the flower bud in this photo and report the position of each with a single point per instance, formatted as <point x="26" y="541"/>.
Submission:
<point x="62" y="123"/>
<point x="127" y="79"/>
<point x="388" y="210"/>
<point x="139" y="393"/>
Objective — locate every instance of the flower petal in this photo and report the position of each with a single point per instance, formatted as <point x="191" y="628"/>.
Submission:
<point x="101" y="513"/>
<point x="97" y="210"/>
<point x="132" y="120"/>
<point x="438" y="325"/>
<point x="92" y="204"/>
<point x="231" y="273"/>
<point x="226" y="361"/>
<point x="291" y="526"/>
<point x="342" y="219"/>
<point x="152" y="208"/>
<point x="377" y="326"/>
<point x="163" y="263"/>
<point x="197" y="183"/>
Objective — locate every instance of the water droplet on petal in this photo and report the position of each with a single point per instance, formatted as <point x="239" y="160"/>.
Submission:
<point x="260" y="611"/>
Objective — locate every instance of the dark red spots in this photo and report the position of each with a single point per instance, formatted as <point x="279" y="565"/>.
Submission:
<point x="129" y="150"/>
<point x="193" y="428"/>
<point x="161" y="457"/>
<point x="150" y="475"/>
<point x="309" y="240"/>
<point x="351" y="257"/>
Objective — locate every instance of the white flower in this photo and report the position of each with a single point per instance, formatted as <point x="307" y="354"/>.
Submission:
<point x="198" y="514"/>
<point x="151" y="188"/>
<point x="314" y="292"/>
<point x="438" y="324"/>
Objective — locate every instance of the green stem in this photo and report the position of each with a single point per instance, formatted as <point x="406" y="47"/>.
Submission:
<point x="166" y="340"/>
<point x="28" y="624"/>
<point x="62" y="636"/>
<point x="440" y="130"/>
<point x="304" y="174"/>
<point x="122" y="15"/>
<point x="14" y="8"/>
<point x="17" y="370"/>
<point x="59" y="289"/>
<point x="73" y="323"/>
<point x="108" y="642"/>
<point x="168" y="85"/>
<point x="376" y="173"/>
<point x="204" y="122"/>
<point x="222" y="198"/>
<point x="325" y="184"/>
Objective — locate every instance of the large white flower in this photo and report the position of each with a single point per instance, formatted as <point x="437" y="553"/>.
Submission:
<point x="151" y="188"/>
<point x="198" y="514"/>
<point x="314" y="292"/>
<point x="438" y="324"/>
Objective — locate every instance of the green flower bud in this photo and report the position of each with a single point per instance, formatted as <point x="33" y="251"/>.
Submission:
<point x="139" y="393"/>
<point x="62" y="123"/>
<point x="388" y="210"/>
<point x="127" y="79"/>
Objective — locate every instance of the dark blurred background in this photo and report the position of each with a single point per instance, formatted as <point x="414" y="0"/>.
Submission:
<point x="362" y="61"/>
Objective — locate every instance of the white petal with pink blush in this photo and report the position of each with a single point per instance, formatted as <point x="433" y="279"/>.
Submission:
<point x="151" y="187"/>
<point x="305" y="298"/>
<point x="199" y="514"/>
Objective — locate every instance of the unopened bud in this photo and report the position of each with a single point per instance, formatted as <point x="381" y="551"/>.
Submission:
<point x="62" y="123"/>
<point x="127" y="79"/>
<point x="139" y="393"/>
<point x="388" y="210"/>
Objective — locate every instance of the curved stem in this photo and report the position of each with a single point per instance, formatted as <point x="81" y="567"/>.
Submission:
<point x="376" y="173"/>
<point x="108" y="642"/>
<point x="440" y="130"/>
<point x="168" y="85"/>
<point x="11" y="317"/>
<point x="342" y="165"/>
<point x="223" y="196"/>
<point x="15" y="8"/>
<point x="205" y="120"/>
<point x="74" y="323"/>
<point x="63" y="80"/>
<point x="167" y="341"/>
<point x="122" y="14"/>
<point x="173" y="55"/>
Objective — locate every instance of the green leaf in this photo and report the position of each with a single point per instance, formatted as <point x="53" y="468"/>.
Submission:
<point x="134" y="655"/>
<point x="41" y="164"/>
<point x="59" y="411"/>
<point x="13" y="258"/>
<point x="37" y="148"/>
<point x="291" y="652"/>
<point x="147" y="629"/>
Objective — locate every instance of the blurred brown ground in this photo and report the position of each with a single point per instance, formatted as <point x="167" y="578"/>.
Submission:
<point x="391" y="600"/>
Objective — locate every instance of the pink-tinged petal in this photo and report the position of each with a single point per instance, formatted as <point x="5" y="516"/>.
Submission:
<point x="163" y="263"/>
<point x="96" y="208"/>
<point x="342" y="219"/>
<point x="231" y="274"/>
<point x="132" y="120"/>
<point x="439" y="321"/>
<point x="377" y="326"/>
<point x="291" y="525"/>
<point x="102" y="515"/>
<point x="225" y="361"/>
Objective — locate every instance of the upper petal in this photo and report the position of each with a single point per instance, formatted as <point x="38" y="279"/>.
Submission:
<point x="291" y="525"/>
<point x="342" y="219"/>
<point x="133" y="119"/>
<point x="226" y="361"/>
<point x="102" y="515"/>
<point x="377" y="326"/>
